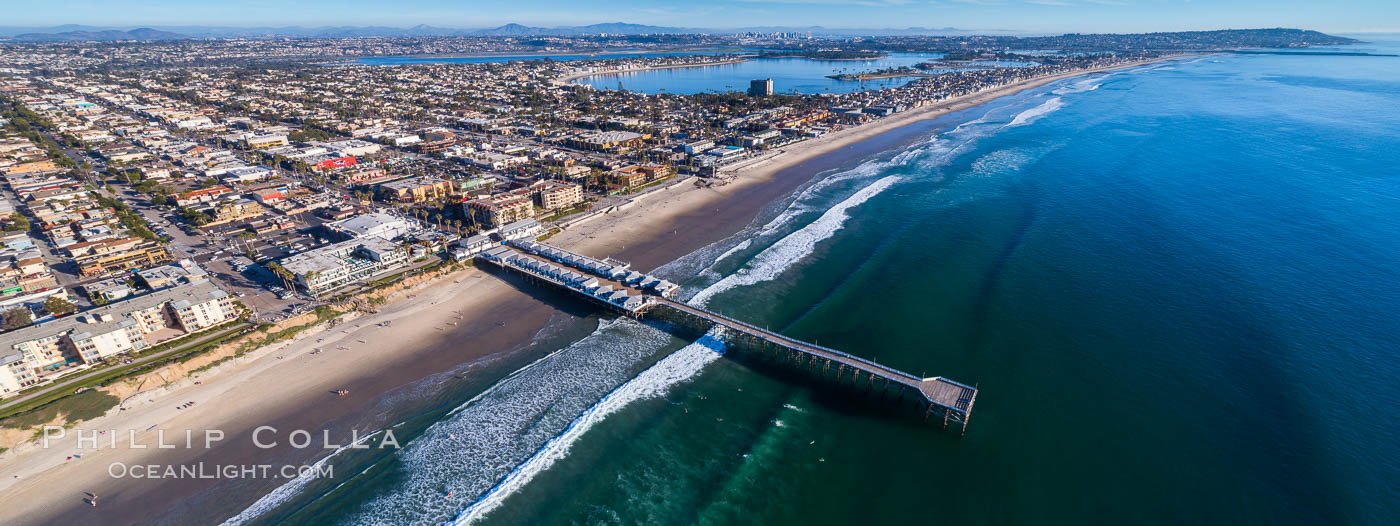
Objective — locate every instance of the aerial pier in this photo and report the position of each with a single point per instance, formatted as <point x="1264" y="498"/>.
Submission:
<point x="615" y="286"/>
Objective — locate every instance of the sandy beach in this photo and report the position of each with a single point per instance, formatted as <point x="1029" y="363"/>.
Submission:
<point x="470" y="316"/>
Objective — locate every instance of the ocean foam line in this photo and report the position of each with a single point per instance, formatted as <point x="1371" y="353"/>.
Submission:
<point x="602" y="325"/>
<point x="779" y="256"/>
<point x="801" y="203"/>
<point x="734" y="250"/>
<point x="1034" y="114"/>
<point x="1080" y="87"/>
<point x="867" y="169"/>
<point x="291" y="489"/>
<point x="654" y="381"/>
<point x="935" y="146"/>
<point x="458" y="459"/>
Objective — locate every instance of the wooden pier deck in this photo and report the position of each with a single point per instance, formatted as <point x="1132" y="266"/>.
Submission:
<point x="953" y="398"/>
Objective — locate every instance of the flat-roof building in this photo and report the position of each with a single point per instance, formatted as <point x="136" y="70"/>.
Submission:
<point x="380" y="225"/>
<point x="336" y="265"/>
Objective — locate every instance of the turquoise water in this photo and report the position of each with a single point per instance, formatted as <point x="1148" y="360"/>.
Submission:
<point x="788" y="74"/>
<point x="1176" y="287"/>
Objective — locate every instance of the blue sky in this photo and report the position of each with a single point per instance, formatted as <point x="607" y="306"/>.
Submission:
<point x="1019" y="15"/>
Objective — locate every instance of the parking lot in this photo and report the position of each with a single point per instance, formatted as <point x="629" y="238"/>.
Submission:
<point x="222" y="251"/>
<point x="253" y="285"/>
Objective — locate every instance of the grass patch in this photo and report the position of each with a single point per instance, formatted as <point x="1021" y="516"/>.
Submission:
<point x="652" y="184"/>
<point x="565" y="213"/>
<point x="548" y="234"/>
<point x="86" y="405"/>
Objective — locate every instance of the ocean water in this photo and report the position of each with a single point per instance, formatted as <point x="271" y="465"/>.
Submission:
<point x="1177" y="287"/>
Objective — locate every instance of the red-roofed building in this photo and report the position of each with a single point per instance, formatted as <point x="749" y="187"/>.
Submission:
<point x="202" y="195"/>
<point x="331" y="164"/>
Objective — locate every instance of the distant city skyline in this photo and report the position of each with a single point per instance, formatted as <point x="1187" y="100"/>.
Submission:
<point x="1030" y="16"/>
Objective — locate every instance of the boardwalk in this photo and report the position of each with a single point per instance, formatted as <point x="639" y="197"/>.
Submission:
<point x="614" y="285"/>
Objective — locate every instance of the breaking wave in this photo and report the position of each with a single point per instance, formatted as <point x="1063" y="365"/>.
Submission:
<point x="469" y="451"/>
<point x="654" y="381"/>
<point x="1081" y="86"/>
<point x="779" y="256"/>
<point x="1034" y="114"/>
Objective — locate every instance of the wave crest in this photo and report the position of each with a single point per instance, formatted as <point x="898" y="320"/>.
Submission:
<point x="1034" y="114"/>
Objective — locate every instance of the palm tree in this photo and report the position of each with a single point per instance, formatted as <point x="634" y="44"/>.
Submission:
<point x="246" y="237"/>
<point x="281" y="272"/>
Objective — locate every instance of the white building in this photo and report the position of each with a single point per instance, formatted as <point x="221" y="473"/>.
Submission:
<point x="380" y="225"/>
<point x="246" y="175"/>
<point x="464" y="249"/>
<point x="351" y="147"/>
<point x="339" y="264"/>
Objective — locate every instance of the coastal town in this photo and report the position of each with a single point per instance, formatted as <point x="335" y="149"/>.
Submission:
<point x="262" y="190"/>
<point x="163" y="197"/>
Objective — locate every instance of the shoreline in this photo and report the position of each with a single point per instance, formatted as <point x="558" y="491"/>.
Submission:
<point x="656" y="228"/>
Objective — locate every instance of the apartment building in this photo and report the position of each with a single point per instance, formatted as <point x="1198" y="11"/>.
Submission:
<point x="117" y="328"/>
<point x="629" y="176"/>
<point x="501" y="208"/>
<point x="202" y="195"/>
<point x="230" y="211"/>
<point x="554" y="195"/>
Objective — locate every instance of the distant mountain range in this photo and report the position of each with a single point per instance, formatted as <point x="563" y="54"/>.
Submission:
<point x="72" y="32"/>
<point x="140" y="33"/>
